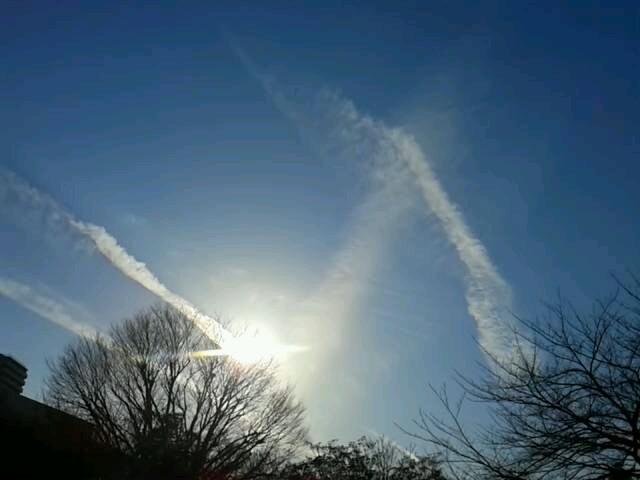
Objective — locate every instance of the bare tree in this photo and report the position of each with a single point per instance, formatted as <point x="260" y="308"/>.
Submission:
<point x="565" y="405"/>
<point x="172" y="414"/>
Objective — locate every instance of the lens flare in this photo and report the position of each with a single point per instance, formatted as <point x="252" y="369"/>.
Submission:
<point x="250" y="349"/>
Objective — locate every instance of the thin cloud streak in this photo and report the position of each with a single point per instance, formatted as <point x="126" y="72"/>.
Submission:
<point x="488" y="296"/>
<point x="137" y="271"/>
<point x="44" y="306"/>
<point x="375" y="219"/>
<point x="394" y="158"/>
<point x="326" y="319"/>
<point x="97" y="237"/>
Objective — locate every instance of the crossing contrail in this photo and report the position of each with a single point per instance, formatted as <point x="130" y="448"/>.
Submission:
<point x="395" y="157"/>
<point x="14" y="188"/>
<point x="488" y="295"/>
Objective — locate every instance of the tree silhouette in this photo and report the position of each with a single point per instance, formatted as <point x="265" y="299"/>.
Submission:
<point x="172" y="414"/>
<point x="565" y="405"/>
<point x="363" y="459"/>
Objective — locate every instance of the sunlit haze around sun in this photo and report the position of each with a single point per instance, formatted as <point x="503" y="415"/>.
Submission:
<point x="365" y="194"/>
<point x="256" y="347"/>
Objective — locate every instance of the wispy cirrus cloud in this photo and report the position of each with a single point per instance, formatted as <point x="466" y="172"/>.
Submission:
<point x="52" y="308"/>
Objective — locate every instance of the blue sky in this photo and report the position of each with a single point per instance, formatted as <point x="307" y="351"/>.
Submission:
<point x="267" y="163"/>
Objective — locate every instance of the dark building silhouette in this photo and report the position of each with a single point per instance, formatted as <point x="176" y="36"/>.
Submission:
<point x="12" y="376"/>
<point x="38" y="441"/>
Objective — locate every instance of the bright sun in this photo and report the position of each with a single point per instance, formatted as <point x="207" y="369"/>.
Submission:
<point x="249" y="349"/>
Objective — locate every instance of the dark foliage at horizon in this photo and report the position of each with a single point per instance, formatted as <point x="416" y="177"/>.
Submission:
<point x="363" y="459"/>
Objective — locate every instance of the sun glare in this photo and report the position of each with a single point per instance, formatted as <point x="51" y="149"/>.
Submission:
<point x="253" y="348"/>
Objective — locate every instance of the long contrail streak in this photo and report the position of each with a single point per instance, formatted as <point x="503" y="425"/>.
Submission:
<point x="487" y="295"/>
<point x="14" y="187"/>
<point x="396" y="157"/>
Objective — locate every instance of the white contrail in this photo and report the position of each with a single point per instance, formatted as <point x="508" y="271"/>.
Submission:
<point x="12" y="186"/>
<point x="46" y="307"/>
<point x="137" y="271"/>
<point x="395" y="158"/>
<point x="488" y="296"/>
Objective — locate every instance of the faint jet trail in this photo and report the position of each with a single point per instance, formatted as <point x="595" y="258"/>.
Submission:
<point x="395" y="158"/>
<point x="488" y="296"/>
<point x="17" y="189"/>
<point x="137" y="271"/>
<point x="51" y="309"/>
